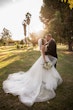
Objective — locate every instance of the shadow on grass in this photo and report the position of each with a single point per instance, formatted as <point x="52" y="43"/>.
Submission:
<point x="24" y="61"/>
<point x="64" y="97"/>
<point x="9" y="57"/>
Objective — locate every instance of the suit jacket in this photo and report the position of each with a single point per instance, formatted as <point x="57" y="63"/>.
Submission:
<point x="51" y="48"/>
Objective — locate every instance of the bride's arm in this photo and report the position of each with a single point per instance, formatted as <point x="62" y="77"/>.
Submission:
<point x="43" y="52"/>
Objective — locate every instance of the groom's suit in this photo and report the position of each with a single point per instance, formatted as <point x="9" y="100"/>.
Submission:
<point x="52" y="49"/>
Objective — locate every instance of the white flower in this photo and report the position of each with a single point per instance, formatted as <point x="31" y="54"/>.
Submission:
<point x="47" y="65"/>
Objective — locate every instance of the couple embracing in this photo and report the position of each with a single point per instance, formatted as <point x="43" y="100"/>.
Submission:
<point x="38" y="84"/>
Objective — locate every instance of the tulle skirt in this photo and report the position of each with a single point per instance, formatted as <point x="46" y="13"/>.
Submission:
<point x="35" y="85"/>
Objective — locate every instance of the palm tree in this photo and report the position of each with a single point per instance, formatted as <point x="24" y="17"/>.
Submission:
<point x="25" y="23"/>
<point x="28" y="16"/>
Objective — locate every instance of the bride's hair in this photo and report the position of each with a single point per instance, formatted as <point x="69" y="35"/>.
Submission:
<point x="40" y="42"/>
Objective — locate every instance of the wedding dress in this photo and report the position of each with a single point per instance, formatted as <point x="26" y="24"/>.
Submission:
<point x="35" y="85"/>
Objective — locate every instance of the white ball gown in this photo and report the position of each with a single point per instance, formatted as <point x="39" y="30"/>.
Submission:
<point x="35" y="85"/>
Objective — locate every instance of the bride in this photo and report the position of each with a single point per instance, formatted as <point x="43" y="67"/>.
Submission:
<point x="37" y="84"/>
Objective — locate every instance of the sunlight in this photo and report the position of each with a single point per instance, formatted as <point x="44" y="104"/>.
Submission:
<point x="13" y="0"/>
<point x="12" y="16"/>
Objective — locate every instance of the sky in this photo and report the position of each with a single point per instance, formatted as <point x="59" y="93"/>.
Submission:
<point x="12" y="14"/>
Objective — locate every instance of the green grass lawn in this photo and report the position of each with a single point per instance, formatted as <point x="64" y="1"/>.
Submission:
<point x="14" y="60"/>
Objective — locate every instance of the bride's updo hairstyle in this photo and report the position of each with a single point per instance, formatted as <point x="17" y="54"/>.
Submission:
<point x="40" y="42"/>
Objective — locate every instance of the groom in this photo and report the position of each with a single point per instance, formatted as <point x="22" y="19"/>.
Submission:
<point x="51" y="49"/>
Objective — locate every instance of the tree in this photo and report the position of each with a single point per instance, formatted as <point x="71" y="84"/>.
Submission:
<point x="59" y="19"/>
<point x="6" y="36"/>
<point x="67" y="19"/>
<point x="26" y="23"/>
<point x="70" y="2"/>
<point x="34" y="38"/>
<point x="22" y="42"/>
<point x="28" y="16"/>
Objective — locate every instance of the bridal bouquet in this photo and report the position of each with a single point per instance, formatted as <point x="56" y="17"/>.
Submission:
<point x="47" y="65"/>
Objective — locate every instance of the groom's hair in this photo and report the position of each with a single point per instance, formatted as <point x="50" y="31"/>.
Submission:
<point x="50" y="35"/>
